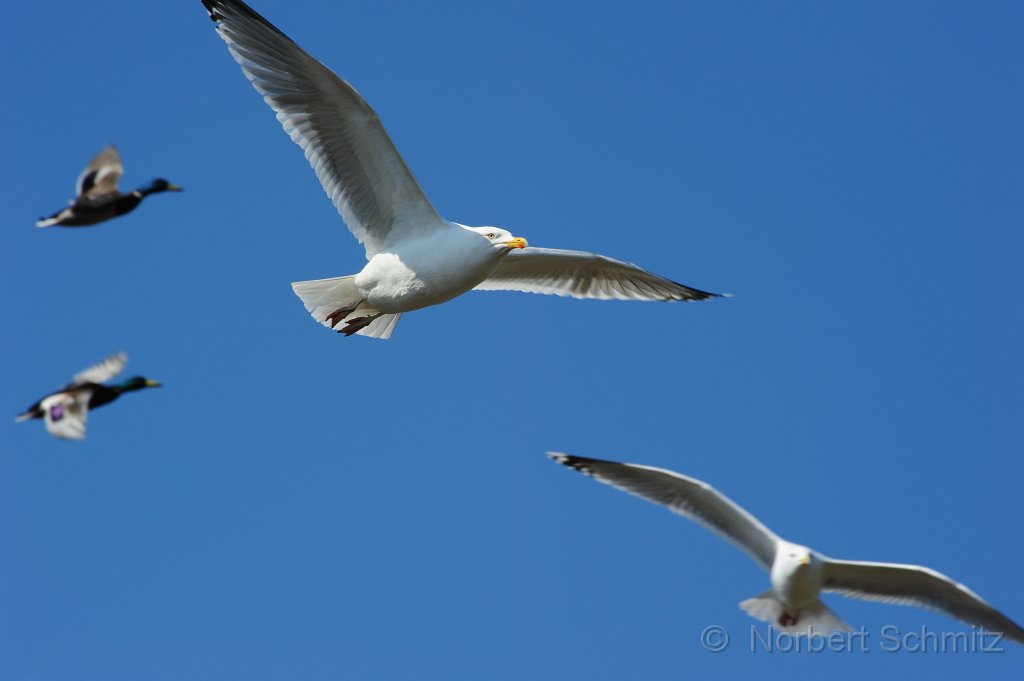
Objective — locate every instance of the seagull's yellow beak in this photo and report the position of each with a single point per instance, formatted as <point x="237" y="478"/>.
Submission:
<point x="806" y="560"/>
<point x="175" y="188"/>
<point x="518" y="242"/>
<point x="150" y="383"/>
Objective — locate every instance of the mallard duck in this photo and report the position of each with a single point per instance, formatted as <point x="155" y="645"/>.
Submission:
<point x="416" y="257"/>
<point x="66" y="410"/>
<point x="98" y="198"/>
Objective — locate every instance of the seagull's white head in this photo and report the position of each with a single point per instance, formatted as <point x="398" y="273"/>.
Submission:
<point x="500" y="238"/>
<point x="800" y="555"/>
<point x="793" y="558"/>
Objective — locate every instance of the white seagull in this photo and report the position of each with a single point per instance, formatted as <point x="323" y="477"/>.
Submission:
<point x="798" y="574"/>
<point x="416" y="257"/>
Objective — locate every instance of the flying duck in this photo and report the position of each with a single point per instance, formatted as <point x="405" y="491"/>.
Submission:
<point x="97" y="196"/>
<point x="66" y="410"/>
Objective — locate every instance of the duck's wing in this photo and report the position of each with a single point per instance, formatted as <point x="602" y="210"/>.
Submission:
<point x="916" y="585"/>
<point x="101" y="372"/>
<point x="344" y="140"/>
<point x="686" y="496"/>
<point x="583" y="275"/>
<point x="102" y="175"/>
<point x="66" y="413"/>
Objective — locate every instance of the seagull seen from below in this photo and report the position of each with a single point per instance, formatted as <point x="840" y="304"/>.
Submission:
<point x="66" y="410"/>
<point x="798" y="574"/>
<point x="416" y="257"/>
<point x="97" y="197"/>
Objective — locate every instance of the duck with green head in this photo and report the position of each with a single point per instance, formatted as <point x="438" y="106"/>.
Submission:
<point x="65" y="411"/>
<point x="97" y="197"/>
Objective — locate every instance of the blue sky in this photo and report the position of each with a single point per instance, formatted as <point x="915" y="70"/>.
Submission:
<point x="295" y="504"/>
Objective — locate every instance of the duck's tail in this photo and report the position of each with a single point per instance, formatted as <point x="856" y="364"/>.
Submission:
<point x="48" y="222"/>
<point x="811" y="620"/>
<point x="337" y="304"/>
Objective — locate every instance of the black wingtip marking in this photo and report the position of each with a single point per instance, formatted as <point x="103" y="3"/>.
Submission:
<point x="240" y="9"/>
<point x="695" y="294"/>
<point x="578" y="463"/>
<point x="215" y="15"/>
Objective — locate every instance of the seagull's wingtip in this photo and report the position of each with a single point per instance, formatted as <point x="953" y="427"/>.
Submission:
<point x="577" y="463"/>
<point x="211" y="10"/>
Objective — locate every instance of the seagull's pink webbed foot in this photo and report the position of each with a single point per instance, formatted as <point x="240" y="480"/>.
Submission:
<point x="335" y="317"/>
<point x="787" y="619"/>
<point x="353" y="325"/>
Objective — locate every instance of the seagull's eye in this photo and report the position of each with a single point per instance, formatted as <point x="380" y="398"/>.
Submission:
<point x="490" y="235"/>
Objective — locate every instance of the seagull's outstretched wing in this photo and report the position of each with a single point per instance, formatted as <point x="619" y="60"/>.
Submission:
<point x="686" y="496"/>
<point x="344" y="140"/>
<point x="102" y="174"/>
<point x="66" y="413"/>
<point x="916" y="585"/>
<point x="583" y="275"/>
<point x="101" y="372"/>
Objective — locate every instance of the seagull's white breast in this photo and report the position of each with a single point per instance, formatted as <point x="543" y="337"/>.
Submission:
<point x="422" y="272"/>
<point x="796" y="584"/>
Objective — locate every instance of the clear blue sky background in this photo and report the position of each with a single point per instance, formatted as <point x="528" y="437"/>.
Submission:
<point x="294" y="504"/>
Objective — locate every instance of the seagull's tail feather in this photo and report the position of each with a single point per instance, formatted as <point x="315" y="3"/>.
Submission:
<point x="766" y="607"/>
<point x="812" y="620"/>
<point x="382" y="327"/>
<point x="334" y="302"/>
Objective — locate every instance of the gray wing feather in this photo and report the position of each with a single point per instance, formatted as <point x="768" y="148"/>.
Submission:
<point x="686" y="496"/>
<point x="102" y="175"/>
<point x="919" y="586"/>
<point x="583" y="275"/>
<point x="343" y="139"/>
<point x="102" y="371"/>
